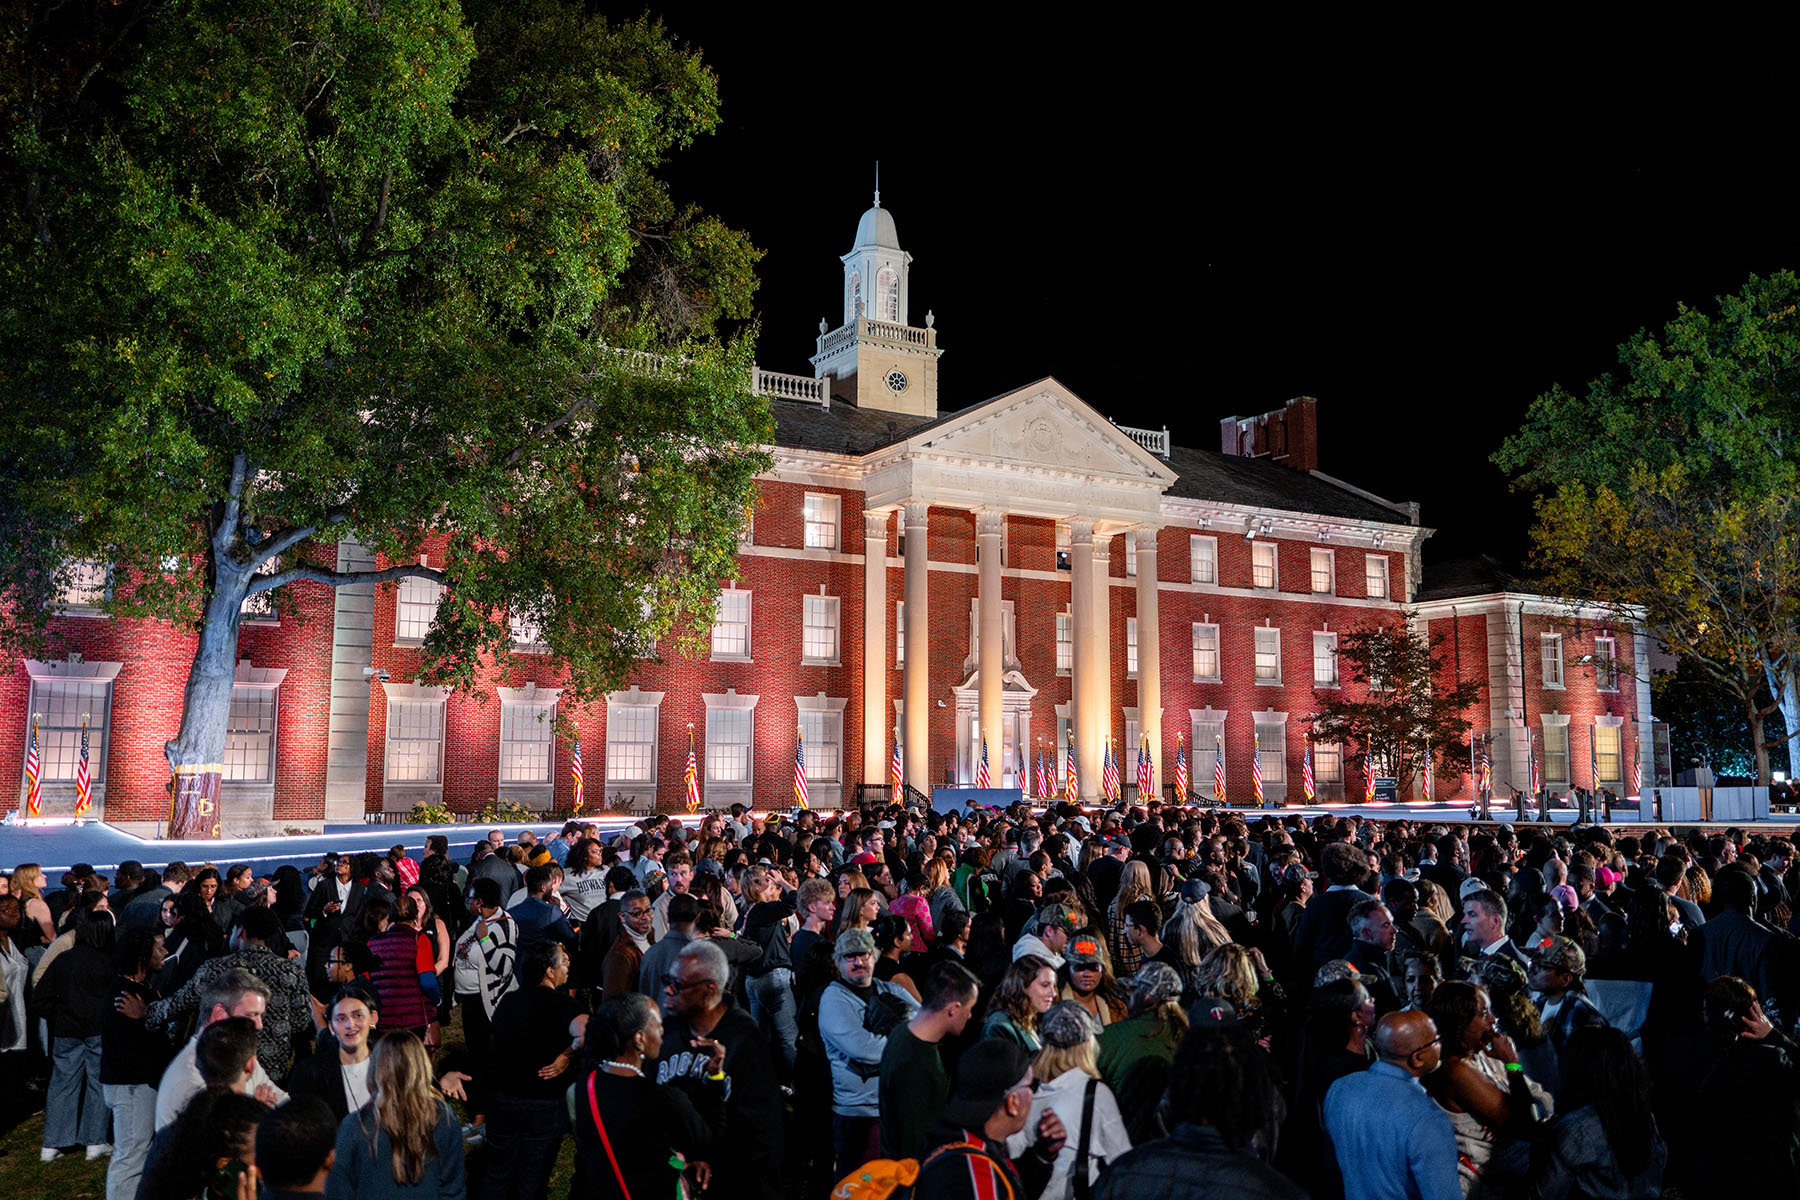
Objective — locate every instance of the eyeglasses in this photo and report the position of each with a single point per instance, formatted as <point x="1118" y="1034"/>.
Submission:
<point x="1422" y="1045"/>
<point x="637" y="912"/>
<point x="675" y="983"/>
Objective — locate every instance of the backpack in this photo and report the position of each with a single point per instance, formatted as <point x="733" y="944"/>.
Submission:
<point x="896" y="1178"/>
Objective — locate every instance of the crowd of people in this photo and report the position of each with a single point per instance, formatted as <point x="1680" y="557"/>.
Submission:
<point x="992" y="1005"/>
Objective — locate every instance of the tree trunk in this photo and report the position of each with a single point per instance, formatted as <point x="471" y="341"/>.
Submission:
<point x="1784" y="685"/>
<point x="197" y="753"/>
<point x="1753" y="712"/>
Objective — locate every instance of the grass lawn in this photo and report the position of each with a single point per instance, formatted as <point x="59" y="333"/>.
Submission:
<point x="72" y="1177"/>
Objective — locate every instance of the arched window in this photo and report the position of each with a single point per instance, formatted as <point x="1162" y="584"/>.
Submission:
<point x="887" y="295"/>
<point x="852" y="293"/>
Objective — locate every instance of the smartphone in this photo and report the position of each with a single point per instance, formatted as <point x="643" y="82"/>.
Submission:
<point x="1675" y="928"/>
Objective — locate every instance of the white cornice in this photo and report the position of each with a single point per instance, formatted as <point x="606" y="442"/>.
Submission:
<point x="1534" y="604"/>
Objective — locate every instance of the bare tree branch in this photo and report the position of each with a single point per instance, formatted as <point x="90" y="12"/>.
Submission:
<point x="306" y="571"/>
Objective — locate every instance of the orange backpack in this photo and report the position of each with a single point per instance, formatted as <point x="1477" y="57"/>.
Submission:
<point x="895" y="1178"/>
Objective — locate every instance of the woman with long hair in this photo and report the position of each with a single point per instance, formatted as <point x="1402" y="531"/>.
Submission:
<point x="939" y="895"/>
<point x="1241" y="976"/>
<point x="195" y="938"/>
<point x="1188" y="934"/>
<point x="405" y="1141"/>
<point x="1065" y="1067"/>
<point x="634" y="1137"/>
<point x="37" y="929"/>
<point x="1605" y="1143"/>
<point x="893" y="937"/>
<point x="858" y="910"/>
<point x="1134" y="885"/>
<point x="1483" y="1087"/>
<point x="1025" y="994"/>
<point x="436" y="933"/>
<point x="132" y="1059"/>
<point x="404" y="976"/>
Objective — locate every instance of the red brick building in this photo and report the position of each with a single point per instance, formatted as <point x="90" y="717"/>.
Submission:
<point x="1020" y="572"/>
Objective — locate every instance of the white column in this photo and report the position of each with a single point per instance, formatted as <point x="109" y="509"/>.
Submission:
<point x="1149" y="655"/>
<point x="875" y="653"/>
<point x="1102" y="635"/>
<point x="988" y="527"/>
<point x="918" y="648"/>
<point x="1085" y="677"/>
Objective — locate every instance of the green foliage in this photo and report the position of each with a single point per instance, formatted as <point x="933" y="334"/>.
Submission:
<point x="430" y="814"/>
<point x="282" y="273"/>
<point x="507" y="812"/>
<point x="1671" y="489"/>
<point x="1407" y="712"/>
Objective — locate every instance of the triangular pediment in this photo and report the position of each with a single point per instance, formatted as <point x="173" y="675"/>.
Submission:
<point x="1043" y="425"/>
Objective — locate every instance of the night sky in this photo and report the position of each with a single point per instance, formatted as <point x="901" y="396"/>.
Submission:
<point x="1422" y="222"/>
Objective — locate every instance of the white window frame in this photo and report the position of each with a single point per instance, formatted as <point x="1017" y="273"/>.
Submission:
<point x="1267" y="674"/>
<point x="61" y="691"/>
<point x="822" y="521"/>
<point x="251" y="704"/>
<point x="1324" y="571"/>
<point x="1206" y="726"/>
<point x="1271" y="752"/>
<point x="899" y="633"/>
<point x="82" y="587"/>
<point x="821" y="631"/>
<point x="411" y="598"/>
<point x="1265" y="576"/>
<point x="1614" y="728"/>
<point x="415" y="721"/>
<point x="824" y="715"/>
<point x="1065" y="643"/>
<point x="1325" y="656"/>
<point x="728" y="746"/>
<point x="1557" y="725"/>
<point x="731" y="625"/>
<point x="527" y="633"/>
<point x="1375" y="577"/>
<point x="1204" y="631"/>
<point x="259" y="609"/>
<point x="887" y="295"/>
<point x="1203" y="559"/>
<point x="527" y="756"/>
<point x="1131" y="648"/>
<point x="1328" y="769"/>
<point x="1130" y="556"/>
<point x="1606" y="664"/>
<point x="629" y="712"/>
<point x="1550" y="652"/>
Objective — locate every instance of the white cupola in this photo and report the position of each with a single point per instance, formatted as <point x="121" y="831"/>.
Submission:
<point x="875" y="270"/>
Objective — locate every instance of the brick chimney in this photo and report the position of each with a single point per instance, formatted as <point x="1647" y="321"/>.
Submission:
<point x="1289" y="435"/>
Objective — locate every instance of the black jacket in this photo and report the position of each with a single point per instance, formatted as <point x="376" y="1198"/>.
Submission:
<point x="1193" y="1162"/>
<point x="1735" y="944"/>
<point x="1324" y="932"/>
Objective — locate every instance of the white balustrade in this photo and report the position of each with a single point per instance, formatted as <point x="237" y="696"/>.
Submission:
<point x="803" y="388"/>
<point x="1156" y="442"/>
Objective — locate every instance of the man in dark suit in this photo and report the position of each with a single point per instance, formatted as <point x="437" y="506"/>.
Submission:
<point x="1372" y="933"/>
<point x="1732" y="942"/>
<point x="1451" y="867"/>
<point x="337" y="895"/>
<point x="1324" y="932"/>
<point x="1484" y="921"/>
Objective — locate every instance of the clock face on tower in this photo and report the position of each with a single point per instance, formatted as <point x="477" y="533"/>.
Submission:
<point x="896" y="381"/>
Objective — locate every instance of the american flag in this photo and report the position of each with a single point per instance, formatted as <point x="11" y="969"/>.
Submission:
<point x="982" y="778"/>
<point x="897" y="770"/>
<point x="690" y="777"/>
<point x="1428" y="773"/>
<point x="1256" y="788"/>
<point x="1306" y="771"/>
<point x="1043" y="775"/>
<point x="1072" y="780"/>
<point x="1109" y="777"/>
<point x="1637" y="775"/>
<point x="1146" y="773"/>
<point x="84" y="788"/>
<point x="34" y="790"/>
<point x="1181" y="770"/>
<point x="800" y="772"/>
<point x="1531" y="754"/>
<point x="1484" y="774"/>
<point x="1368" y="780"/>
<point x="576" y="774"/>
<point x="1219" y="770"/>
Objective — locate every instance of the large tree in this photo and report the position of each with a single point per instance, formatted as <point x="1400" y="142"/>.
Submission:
<point x="284" y="273"/>
<point x="1404" y="715"/>
<point x="1671" y="487"/>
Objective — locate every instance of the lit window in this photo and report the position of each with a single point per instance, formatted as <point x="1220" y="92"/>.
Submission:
<point x="728" y="745"/>
<point x="1206" y="652"/>
<point x="1268" y="655"/>
<point x="527" y="742"/>
<point x="631" y="742"/>
<point x="1271" y="751"/>
<point x="821" y="515"/>
<point x="900" y="633"/>
<point x="415" y="609"/>
<point x="731" y="625"/>
<point x="1325" y="660"/>
<point x="1131" y="648"/>
<point x="1209" y="736"/>
<point x="1065" y="643"/>
<point x="415" y="741"/>
<point x="1556" y="751"/>
<point x="1606" y="755"/>
<point x="527" y="632"/>
<point x="59" y="704"/>
<point x="1262" y="564"/>
<point x="250" y="735"/>
<point x="1551" y="646"/>
<point x="1375" y="576"/>
<point x="1203" y="559"/>
<point x="84" y="583"/>
<point x="852" y="293"/>
<point x="824" y="735"/>
<point x="261" y="606"/>
<point x="1130" y="555"/>
<point x="1328" y="765"/>
<point x="1323" y="573"/>
<point x="887" y="295"/>
<point x="1606" y="664"/>
<point x="819" y="641"/>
